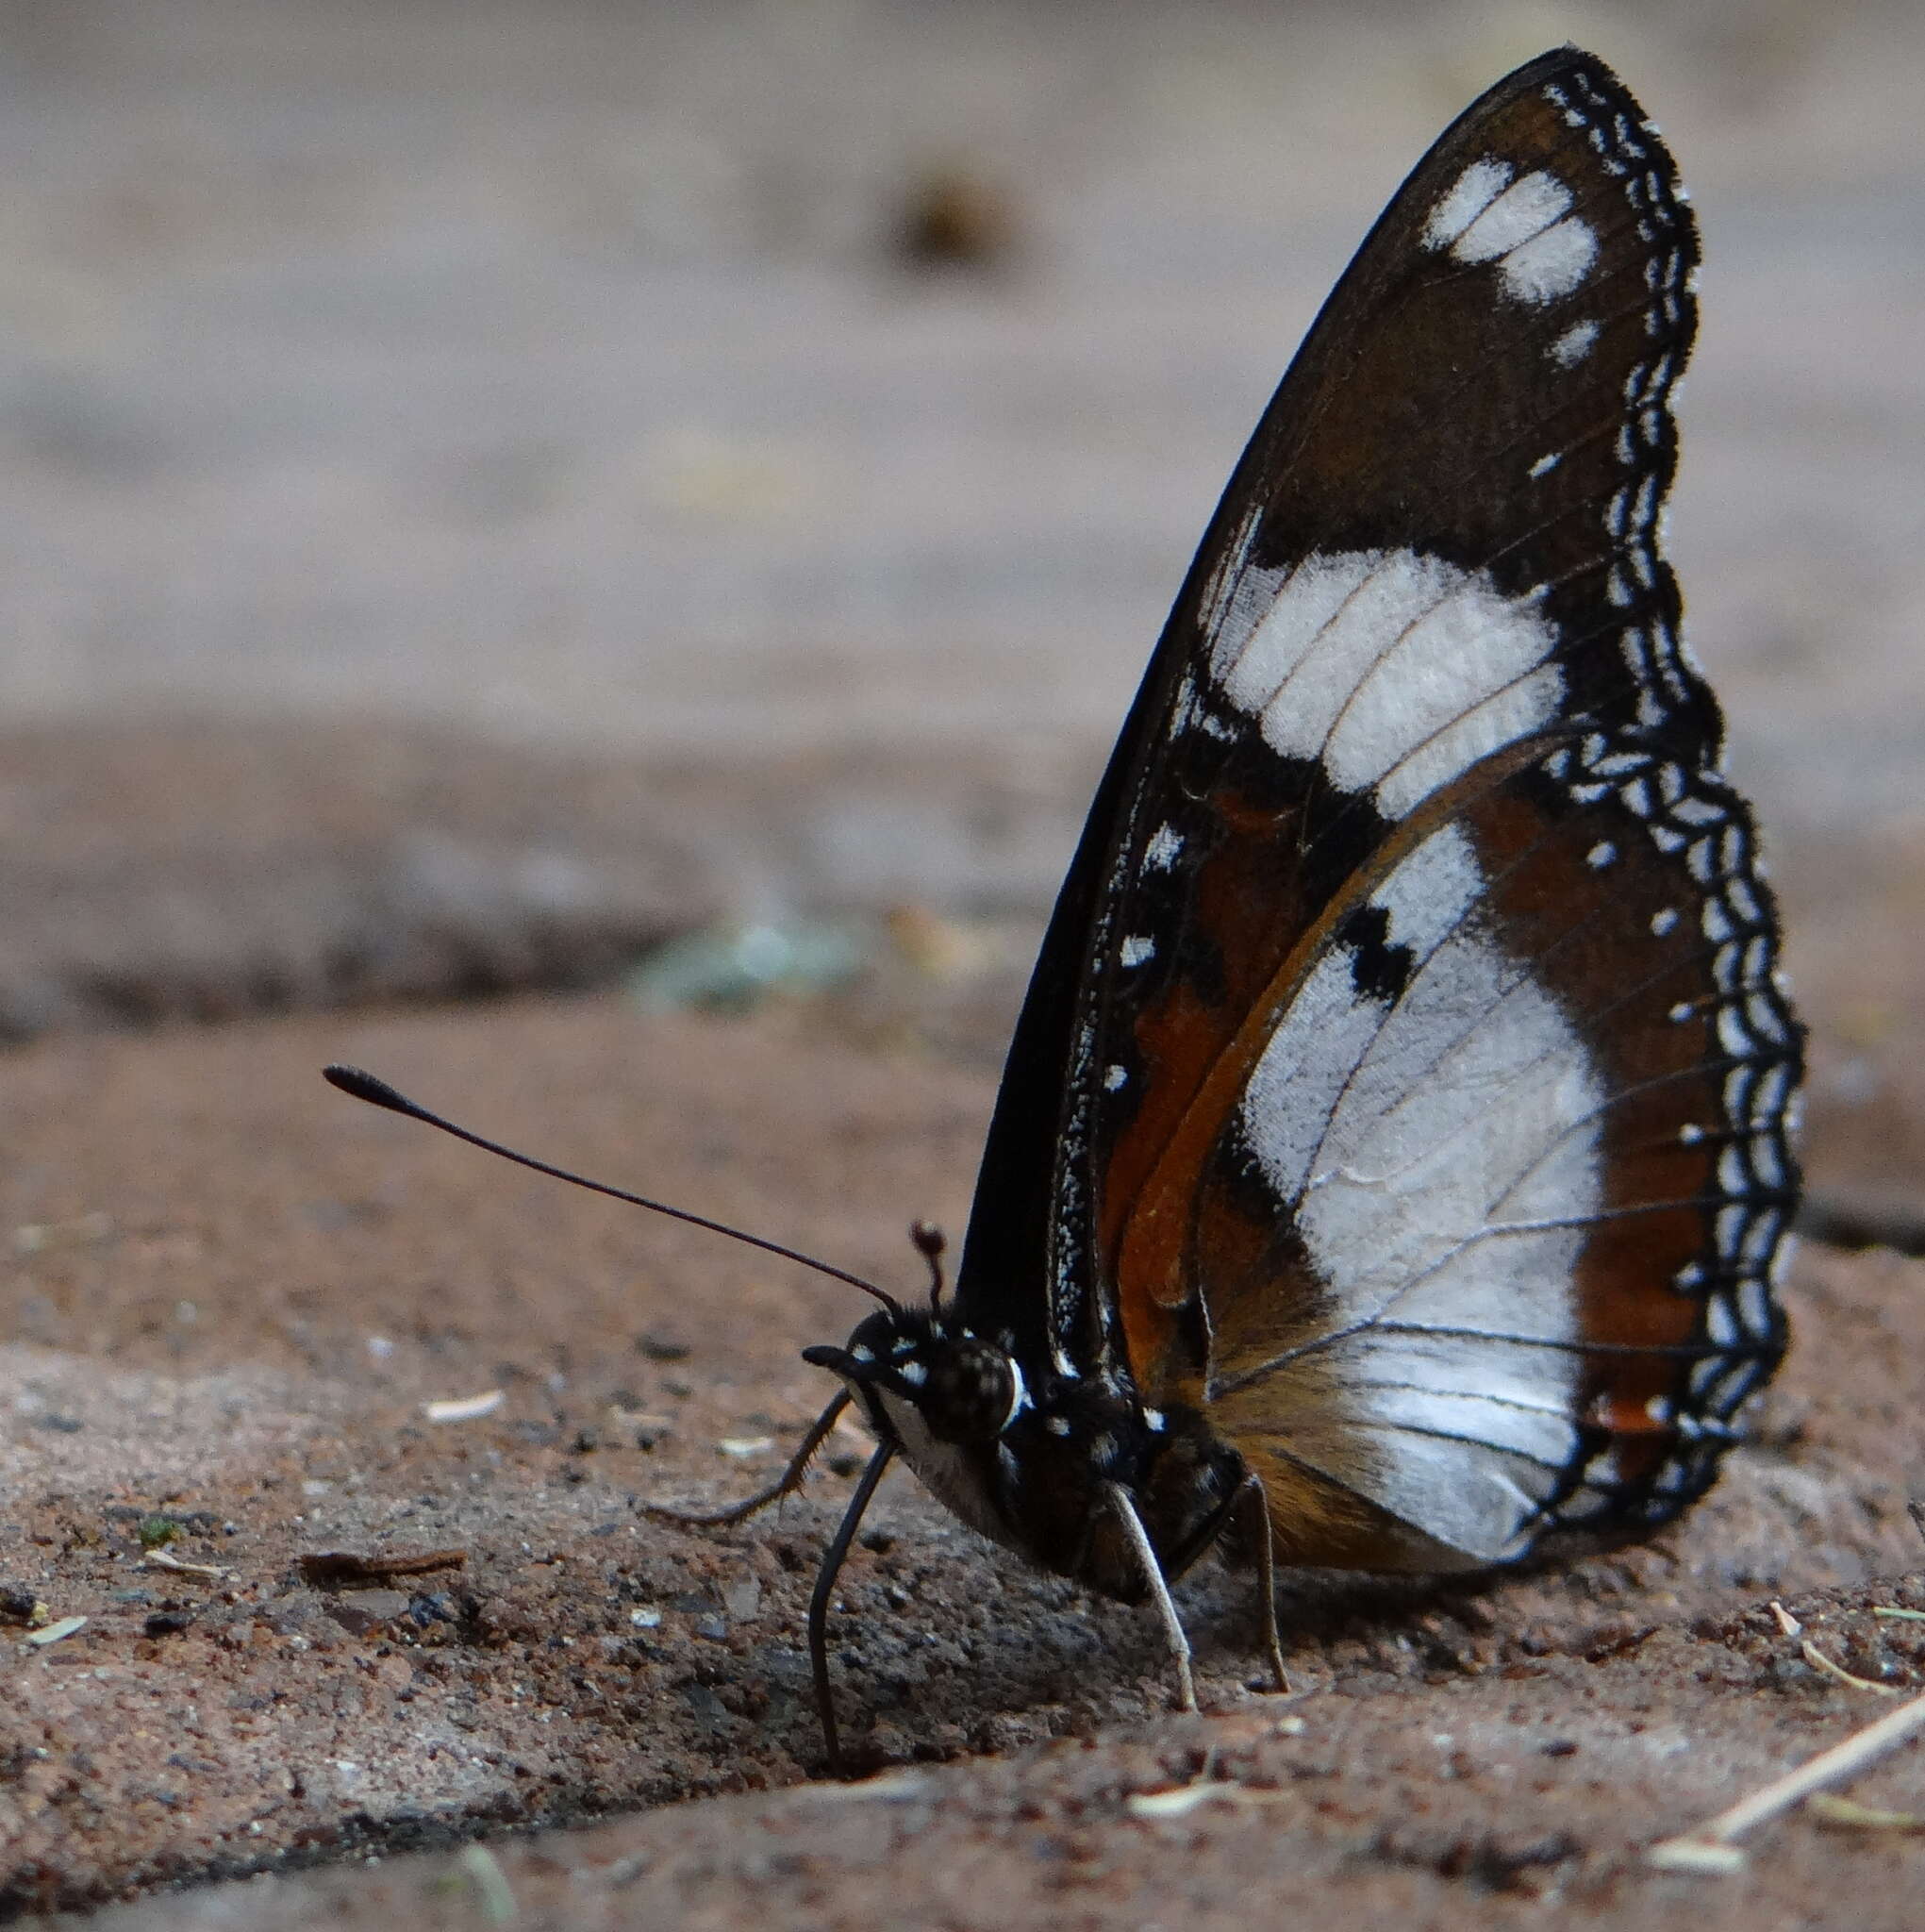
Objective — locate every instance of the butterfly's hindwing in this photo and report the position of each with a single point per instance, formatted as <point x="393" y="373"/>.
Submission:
<point x="1504" y="1181"/>
<point x="1424" y="1078"/>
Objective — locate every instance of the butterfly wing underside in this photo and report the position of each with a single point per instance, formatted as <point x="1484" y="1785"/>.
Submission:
<point x="1405" y="1080"/>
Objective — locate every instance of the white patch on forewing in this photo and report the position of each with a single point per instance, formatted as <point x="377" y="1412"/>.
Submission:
<point x="1541" y="249"/>
<point x="1525" y="209"/>
<point x="1399" y="671"/>
<point x="1475" y="189"/>
<point x="1430" y="891"/>
<point x="1236" y="597"/>
<point x="1551" y="264"/>
<point x="1574" y="344"/>
<point x="1250" y="660"/>
<point x="1440" y="1155"/>
<point x="1510" y="712"/>
<point x="1164" y="849"/>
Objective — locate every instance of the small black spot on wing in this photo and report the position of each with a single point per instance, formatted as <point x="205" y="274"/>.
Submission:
<point x="1380" y="969"/>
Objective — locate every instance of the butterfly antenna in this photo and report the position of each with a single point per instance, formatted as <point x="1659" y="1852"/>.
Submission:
<point x="930" y="1243"/>
<point x="376" y="1092"/>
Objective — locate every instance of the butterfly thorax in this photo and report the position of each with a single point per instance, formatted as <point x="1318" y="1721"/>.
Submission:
<point x="1028" y="1459"/>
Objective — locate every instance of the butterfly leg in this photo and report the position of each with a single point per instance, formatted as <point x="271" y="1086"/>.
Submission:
<point x="784" y="1485"/>
<point x="1252" y="1521"/>
<point x="1125" y="1505"/>
<point x="825" y="1585"/>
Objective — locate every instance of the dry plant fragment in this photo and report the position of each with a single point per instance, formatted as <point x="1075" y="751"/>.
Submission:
<point x="1819" y="1661"/>
<point x="1842" y="1811"/>
<point x="159" y="1559"/>
<point x="483" y="1869"/>
<point x="1695" y="1854"/>
<point x="34" y="1237"/>
<point x="463" y="1409"/>
<point x="335" y="1567"/>
<point x="1709" y="1848"/>
<point x="54" y="1632"/>
<point x="889" y="1788"/>
<point x="1180" y="1802"/>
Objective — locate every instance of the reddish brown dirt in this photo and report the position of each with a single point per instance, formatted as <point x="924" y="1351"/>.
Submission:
<point x="282" y="1280"/>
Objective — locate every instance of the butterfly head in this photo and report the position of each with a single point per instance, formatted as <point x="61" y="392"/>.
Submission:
<point x="917" y="1374"/>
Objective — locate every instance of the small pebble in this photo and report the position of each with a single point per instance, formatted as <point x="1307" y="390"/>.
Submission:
<point x="361" y="1610"/>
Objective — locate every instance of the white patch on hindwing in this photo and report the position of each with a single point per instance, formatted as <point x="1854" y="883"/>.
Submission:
<point x="1397" y="670"/>
<point x="1440" y="1154"/>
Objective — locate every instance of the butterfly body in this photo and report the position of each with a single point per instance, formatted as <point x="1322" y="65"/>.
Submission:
<point x="1030" y="1464"/>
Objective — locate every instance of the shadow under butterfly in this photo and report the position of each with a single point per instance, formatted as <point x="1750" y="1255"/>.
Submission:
<point x="1391" y="1164"/>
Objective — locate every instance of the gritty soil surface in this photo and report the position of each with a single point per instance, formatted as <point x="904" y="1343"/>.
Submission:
<point x="234" y="1293"/>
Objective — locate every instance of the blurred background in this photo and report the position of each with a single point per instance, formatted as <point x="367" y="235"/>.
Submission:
<point x="492" y="491"/>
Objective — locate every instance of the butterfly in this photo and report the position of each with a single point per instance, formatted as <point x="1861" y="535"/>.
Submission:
<point x="1391" y="1166"/>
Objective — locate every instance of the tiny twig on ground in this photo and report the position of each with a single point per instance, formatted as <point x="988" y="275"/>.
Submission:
<point x="1703" y="1847"/>
<point x="1819" y="1661"/>
<point x="1831" y="1810"/>
<point x="339" y="1567"/>
<point x="159" y="1559"/>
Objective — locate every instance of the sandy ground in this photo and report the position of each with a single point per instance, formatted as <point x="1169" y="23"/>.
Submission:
<point x="396" y="651"/>
<point x="239" y="1290"/>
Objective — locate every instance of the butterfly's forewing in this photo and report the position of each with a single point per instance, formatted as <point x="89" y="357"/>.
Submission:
<point x="1404" y="1080"/>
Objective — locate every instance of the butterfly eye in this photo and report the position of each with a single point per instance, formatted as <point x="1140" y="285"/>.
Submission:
<point x="972" y="1392"/>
